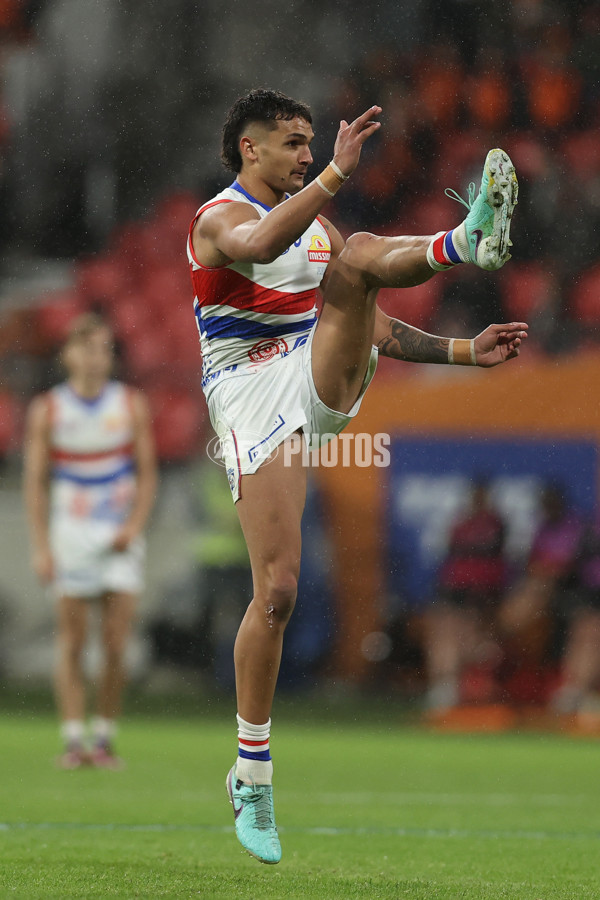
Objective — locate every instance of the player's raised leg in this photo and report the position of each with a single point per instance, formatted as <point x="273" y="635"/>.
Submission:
<point x="69" y="684"/>
<point x="346" y="328"/>
<point x="270" y="512"/>
<point x="344" y="334"/>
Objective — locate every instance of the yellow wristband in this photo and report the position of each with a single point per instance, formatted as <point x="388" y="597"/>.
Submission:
<point x="461" y="352"/>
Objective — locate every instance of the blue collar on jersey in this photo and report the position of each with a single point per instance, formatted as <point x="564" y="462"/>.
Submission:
<point x="88" y="401"/>
<point x="237" y="187"/>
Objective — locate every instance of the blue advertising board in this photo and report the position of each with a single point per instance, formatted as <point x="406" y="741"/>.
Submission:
<point x="429" y="482"/>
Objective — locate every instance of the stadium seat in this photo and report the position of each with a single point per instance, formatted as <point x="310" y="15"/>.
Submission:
<point x="460" y="160"/>
<point x="432" y="213"/>
<point x="129" y="317"/>
<point x="582" y="154"/>
<point x="585" y="298"/>
<point x="176" y="211"/>
<point x="167" y="287"/>
<point x="526" y="289"/>
<point x="53" y="318"/>
<point x="178" y="418"/>
<point x="16" y="332"/>
<point x="11" y="422"/>
<point x="125" y="242"/>
<point x="438" y="82"/>
<point x="487" y="96"/>
<point x="553" y="93"/>
<point x="147" y="354"/>
<point x="102" y="279"/>
<point x="530" y="155"/>
<point x="415" y="305"/>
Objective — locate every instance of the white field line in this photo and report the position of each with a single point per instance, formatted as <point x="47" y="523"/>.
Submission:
<point x="465" y="833"/>
<point x="393" y="798"/>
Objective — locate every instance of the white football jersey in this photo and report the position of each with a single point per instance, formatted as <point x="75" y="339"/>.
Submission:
<point x="248" y="313"/>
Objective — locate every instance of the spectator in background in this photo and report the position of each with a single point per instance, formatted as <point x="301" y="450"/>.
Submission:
<point x="460" y="626"/>
<point x="90" y="481"/>
<point x="579" y="611"/>
<point x="527" y="613"/>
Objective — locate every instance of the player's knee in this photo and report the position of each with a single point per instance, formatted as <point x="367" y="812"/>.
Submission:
<point x="359" y="251"/>
<point x="71" y="649"/>
<point x="280" y="596"/>
<point x="359" y="257"/>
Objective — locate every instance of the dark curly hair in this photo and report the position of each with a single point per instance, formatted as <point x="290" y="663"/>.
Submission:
<point x="267" y="107"/>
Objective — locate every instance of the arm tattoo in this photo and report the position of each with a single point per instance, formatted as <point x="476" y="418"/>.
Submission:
<point x="413" y="345"/>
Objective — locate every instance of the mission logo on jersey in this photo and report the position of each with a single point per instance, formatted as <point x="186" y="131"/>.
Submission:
<point x="319" y="250"/>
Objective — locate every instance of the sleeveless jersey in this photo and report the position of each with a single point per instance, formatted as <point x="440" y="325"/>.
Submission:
<point x="248" y="313"/>
<point x="91" y="454"/>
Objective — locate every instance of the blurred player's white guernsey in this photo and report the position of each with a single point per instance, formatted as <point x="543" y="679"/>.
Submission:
<point x="92" y="490"/>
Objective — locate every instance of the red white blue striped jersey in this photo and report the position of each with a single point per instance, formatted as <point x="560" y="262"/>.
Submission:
<point x="248" y="313"/>
<point x="92" y="453"/>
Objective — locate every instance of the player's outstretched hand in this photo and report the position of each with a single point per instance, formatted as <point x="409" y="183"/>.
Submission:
<point x="351" y="137"/>
<point x="497" y="343"/>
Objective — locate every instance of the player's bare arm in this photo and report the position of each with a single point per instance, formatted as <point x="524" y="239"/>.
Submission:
<point x="396" y="339"/>
<point x="146" y="473"/>
<point x="36" y="486"/>
<point x="337" y="245"/>
<point x="404" y="342"/>
<point x="275" y="162"/>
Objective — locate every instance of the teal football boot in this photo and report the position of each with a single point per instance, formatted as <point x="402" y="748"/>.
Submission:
<point x="487" y="225"/>
<point x="254" y="818"/>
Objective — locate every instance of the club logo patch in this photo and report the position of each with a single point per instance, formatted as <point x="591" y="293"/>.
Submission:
<point x="319" y="250"/>
<point x="267" y="349"/>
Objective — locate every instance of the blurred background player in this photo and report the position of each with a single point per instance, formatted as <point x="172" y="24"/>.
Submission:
<point x="90" y="481"/>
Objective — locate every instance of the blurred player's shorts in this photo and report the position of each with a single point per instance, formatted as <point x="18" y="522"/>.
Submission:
<point x="85" y="563"/>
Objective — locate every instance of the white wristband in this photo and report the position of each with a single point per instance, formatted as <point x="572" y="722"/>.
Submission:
<point x="322" y="186"/>
<point x="338" y="171"/>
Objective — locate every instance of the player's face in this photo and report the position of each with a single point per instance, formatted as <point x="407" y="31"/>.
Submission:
<point x="283" y="154"/>
<point x="90" y="357"/>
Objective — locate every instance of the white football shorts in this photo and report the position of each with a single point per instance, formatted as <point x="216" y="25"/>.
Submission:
<point x="86" y="566"/>
<point x="255" y="412"/>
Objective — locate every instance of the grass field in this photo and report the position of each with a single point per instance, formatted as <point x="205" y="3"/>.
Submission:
<point x="380" y="811"/>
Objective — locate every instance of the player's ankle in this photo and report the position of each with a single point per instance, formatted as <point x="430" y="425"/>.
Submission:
<point x="73" y="732"/>
<point x="254" y="757"/>
<point x="103" y="731"/>
<point x="448" y="249"/>
<point x="252" y="771"/>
